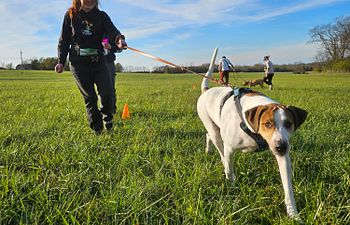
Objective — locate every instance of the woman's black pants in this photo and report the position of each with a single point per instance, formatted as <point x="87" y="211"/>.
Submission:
<point x="88" y="75"/>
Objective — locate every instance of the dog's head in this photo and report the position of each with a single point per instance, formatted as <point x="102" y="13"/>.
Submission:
<point x="275" y="123"/>
<point x="245" y="83"/>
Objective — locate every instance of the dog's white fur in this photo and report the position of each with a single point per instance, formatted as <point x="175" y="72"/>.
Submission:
<point x="225" y="133"/>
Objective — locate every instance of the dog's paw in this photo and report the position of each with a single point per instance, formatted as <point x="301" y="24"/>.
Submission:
<point x="208" y="149"/>
<point x="294" y="216"/>
<point x="231" y="177"/>
<point x="297" y="218"/>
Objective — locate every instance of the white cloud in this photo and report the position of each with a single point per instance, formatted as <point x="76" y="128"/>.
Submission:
<point x="270" y="12"/>
<point x="25" y="26"/>
<point x="200" y="12"/>
<point x="204" y="12"/>
<point x="283" y="53"/>
<point x="144" y="31"/>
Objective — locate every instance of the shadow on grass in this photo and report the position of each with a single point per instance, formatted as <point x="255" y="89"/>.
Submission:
<point x="25" y="137"/>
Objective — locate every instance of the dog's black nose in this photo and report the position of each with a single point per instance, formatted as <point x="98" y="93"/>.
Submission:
<point x="282" y="146"/>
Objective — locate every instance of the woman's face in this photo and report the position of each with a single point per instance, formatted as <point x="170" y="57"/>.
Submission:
<point x="88" y="5"/>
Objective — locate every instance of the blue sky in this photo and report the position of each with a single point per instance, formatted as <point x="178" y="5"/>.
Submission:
<point x="183" y="32"/>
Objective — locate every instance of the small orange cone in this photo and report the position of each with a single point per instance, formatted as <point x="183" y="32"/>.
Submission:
<point x="126" y="114"/>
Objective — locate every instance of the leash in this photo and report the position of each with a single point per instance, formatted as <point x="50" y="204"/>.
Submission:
<point x="238" y="76"/>
<point x="175" y="65"/>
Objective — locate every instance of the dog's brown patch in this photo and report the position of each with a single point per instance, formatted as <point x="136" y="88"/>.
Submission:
<point x="255" y="115"/>
<point x="267" y="122"/>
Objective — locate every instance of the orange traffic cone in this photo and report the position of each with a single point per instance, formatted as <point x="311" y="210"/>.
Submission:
<point x="126" y="114"/>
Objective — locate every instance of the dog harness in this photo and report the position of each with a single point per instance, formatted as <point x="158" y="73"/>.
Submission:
<point x="238" y="94"/>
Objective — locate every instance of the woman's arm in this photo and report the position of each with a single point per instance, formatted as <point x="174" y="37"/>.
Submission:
<point x="64" y="40"/>
<point x="113" y="32"/>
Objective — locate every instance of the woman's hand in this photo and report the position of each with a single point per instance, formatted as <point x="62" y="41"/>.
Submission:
<point x="59" y="68"/>
<point x="106" y="45"/>
<point x="120" y="42"/>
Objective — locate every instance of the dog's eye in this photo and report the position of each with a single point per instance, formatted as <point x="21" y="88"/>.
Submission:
<point x="287" y="124"/>
<point x="268" y="124"/>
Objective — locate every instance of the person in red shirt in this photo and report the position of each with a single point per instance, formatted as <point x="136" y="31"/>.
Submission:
<point x="224" y="69"/>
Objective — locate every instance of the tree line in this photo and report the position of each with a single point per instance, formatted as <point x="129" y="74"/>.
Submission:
<point x="298" y="68"/>
<point x="50" y="63"/>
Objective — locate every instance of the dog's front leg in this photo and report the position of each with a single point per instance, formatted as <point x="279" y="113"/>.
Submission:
<point x="285" y="168"/>
<point x="228" y="164"/>
<point x="208" y="146"/>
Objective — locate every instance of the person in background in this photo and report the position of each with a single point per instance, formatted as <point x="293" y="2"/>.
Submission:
<point x="109" y="51"/>
<point x="269" y="72"/>
<point x="224" y="70"/>
<point x="82" y="31"/>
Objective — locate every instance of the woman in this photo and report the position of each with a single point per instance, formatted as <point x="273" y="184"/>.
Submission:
<point x="82" y="31"/>
<point x="269" y="72"/>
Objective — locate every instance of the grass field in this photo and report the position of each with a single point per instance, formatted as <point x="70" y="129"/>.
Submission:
<point x="152" y="169"/>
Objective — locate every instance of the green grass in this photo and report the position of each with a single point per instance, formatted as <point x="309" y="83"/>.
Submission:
<point x="152" y="169"/>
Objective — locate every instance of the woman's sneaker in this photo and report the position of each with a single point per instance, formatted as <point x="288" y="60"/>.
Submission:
<point x="98" y="132"/>
<point x="109" y="125"/>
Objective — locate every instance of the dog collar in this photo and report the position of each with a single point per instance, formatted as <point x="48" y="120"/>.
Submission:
<point x="238" y="93"/>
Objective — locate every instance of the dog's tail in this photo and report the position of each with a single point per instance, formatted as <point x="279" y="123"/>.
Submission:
<point x="205" y="82"/>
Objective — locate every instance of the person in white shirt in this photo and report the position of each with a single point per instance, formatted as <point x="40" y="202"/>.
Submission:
<point x="224" y="69"/>
<point x="269" y="72"/>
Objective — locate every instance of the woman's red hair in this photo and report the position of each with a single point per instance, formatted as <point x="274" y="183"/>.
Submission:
<point x="76" y="6"/>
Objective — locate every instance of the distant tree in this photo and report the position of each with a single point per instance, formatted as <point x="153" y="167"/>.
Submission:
<point x="119" y="67"/>
<point x="166" y="69"/>
<point x="9" y="66"/>
<point x="333" y="39"/>
<point x="35" y="64"/>
<point x="48" y="63"/>
<point x="299" y="68"/>
<point x="343" y="25"/>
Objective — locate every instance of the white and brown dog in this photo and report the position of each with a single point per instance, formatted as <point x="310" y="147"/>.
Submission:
<point x="245" y="120"/>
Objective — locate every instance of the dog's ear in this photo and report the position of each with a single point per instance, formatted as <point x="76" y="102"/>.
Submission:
<point x="253" y="116"/>
<point x="299" y="115"/>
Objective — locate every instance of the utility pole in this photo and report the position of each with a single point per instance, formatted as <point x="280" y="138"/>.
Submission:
<point x="21" y="56"/>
